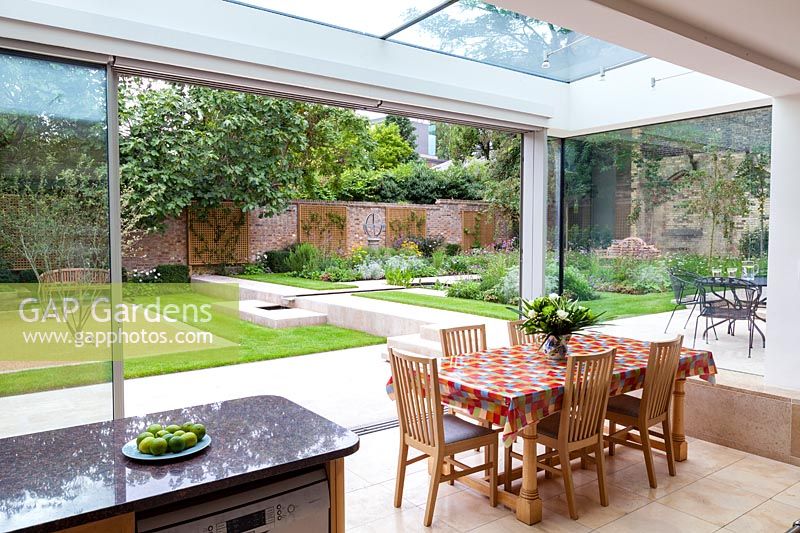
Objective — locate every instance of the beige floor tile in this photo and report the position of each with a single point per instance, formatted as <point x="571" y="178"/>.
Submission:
<point x="657" y="518"/>
<point x="551" y="523"/>
<point x="764" y="477"/>
<point x="376" y="459"/>
<point x="634" y="479"/>
<point x="590" y="513"/>
<point x="712" y="501"/>
<point x="415" y="489"/>
<point x="706" y="458"/>
<point x="769" y="516"/>
<point x="353" y="481"/>
<point x="409" y="520"/>
<point x="466" y="510"/>
<point x="368" y="504"/>
<point x="790" y="496"/>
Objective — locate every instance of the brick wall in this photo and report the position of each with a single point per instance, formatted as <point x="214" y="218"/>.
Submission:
<point x="276" y="232"/>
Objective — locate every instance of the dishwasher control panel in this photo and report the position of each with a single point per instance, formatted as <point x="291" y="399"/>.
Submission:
<point x="299" y="504"/>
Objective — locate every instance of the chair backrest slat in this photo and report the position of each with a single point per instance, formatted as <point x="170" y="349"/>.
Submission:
<point x="517" y="336"/>
<point x="461" y="340"/>
<point x="659" y="379"/>
<point x="419" y="402"/>
<point x="586" y="390"/>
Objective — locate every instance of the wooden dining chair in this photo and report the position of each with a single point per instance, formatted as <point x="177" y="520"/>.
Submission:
<point x="517" y="336"/>
<point x="463" y="339"/>
<point x="423" y="426"/>
<point x="578" y="427"/>
<point x="653" y="408"/>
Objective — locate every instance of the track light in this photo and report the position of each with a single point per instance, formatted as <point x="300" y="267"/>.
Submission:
<point x="546" y="62"/>
<point x="602" y="73"/>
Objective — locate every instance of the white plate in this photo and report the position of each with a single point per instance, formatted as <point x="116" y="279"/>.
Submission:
<point x="132" y="451"/>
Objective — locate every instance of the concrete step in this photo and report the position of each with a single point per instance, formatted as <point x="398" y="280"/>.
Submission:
<point x="415" y="344"/>
<point x="270" y="315"/>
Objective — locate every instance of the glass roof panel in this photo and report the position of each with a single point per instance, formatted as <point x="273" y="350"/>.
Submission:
<point x="482" y="32"/>
<point x="363" y="16"/>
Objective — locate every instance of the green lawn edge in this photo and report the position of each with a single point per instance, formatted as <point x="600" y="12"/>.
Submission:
<point x="292" y="281"/>
<point x="613" y="305"/>
<point x="270" y="344"/>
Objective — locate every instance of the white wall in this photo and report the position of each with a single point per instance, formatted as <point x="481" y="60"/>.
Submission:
<point x="783" y="348"/>
<point x="625" y="98"/>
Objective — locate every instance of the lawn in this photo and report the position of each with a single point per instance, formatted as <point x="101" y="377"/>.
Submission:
<point x="255" y="343"/>
<point x="612" y="304"/>
<point x="292" y="281"/>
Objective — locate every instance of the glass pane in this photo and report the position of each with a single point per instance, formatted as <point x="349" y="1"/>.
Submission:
<point x="691" y="197"/>
<point x="357" y="15"/>
<point x="53" y="242"/>
<point x="485" y="33"/>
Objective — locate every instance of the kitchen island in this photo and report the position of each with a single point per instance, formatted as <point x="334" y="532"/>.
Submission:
<point x="77" y="478"/>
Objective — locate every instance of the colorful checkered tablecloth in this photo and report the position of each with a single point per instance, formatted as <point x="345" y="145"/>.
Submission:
<point x="515" y="386"/>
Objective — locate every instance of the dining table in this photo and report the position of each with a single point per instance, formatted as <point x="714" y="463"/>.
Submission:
<point x="514" y="387"/>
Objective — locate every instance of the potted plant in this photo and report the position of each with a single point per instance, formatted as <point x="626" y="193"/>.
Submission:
<point x="556" y="318"/>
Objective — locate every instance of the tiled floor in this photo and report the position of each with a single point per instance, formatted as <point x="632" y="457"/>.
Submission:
<point x="716" y="489"/>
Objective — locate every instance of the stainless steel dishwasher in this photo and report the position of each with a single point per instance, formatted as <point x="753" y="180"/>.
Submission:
<point x="298" y="504"/>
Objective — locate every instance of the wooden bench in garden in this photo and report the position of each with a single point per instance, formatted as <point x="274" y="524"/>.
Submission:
<point x="75" y="275"/>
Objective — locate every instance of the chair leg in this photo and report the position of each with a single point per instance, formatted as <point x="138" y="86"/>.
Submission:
<point x="548" y="474"/>
<point x="686" y="324"/>
<point x="666" y="428"/>
<point x="507" y="467"/>
<point x="670" y="318"/>
<point x="601" y="473"/>
<point x="696" y="324"/>
<point x="648" y="457"/>
<point x="612" y="428"/>
<point x="451" y="469"/>
<point x="493" y="476"/>
<point x="566" y="473"/>
<point x="401" y="474"/>
<point x="487" y="456"/>
<point x="433" y="490"/>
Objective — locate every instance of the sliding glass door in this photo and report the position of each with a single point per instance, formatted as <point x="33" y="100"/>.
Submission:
<point x="54" y="242"/>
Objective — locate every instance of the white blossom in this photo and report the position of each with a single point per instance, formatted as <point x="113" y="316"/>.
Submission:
<point x="553" y="296"/>
<point x="531" y="314"/>
<point x="563" y="315"/>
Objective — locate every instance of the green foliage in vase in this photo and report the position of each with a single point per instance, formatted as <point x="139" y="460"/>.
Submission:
<point x="556" y="315"/>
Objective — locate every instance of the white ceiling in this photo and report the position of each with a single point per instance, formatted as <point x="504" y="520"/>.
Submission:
<point x="753" y="43"/>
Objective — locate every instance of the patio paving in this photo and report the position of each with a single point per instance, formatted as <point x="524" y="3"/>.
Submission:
<point x="346" y="386"/>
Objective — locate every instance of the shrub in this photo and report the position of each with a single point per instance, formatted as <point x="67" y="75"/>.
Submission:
<point x="303" y="257"/>
<point x="173" y="273"/>
<point x="438" y="259"/>
<point x="508" y="289"/>
<point x="458" y="264"/>
<point x="145" y="276"/>
<point x="27" y="276"/>
<point x="452" y="248"/>
<point x="273" y="261"/>
<point x="649" y="278"/>
<point x="576" y="285"/>
<point x="253" y="269"/>
<point x="470" y="290"/>
<point x="370" y="270"/>
<point x="750" y="243"/>
<point x="337" y="273"/>
<point x="399" y="276"/>
<point x="427" y="245"/>
<point x="6" y="274"/>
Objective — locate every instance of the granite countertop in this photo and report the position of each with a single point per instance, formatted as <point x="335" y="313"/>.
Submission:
<point x="61" y="478"/>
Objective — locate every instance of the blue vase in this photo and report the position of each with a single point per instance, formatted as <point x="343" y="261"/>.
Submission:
<point x="556" y="346"/>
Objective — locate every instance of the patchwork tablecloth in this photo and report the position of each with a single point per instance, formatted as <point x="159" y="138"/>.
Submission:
<point x="515" y="386"/>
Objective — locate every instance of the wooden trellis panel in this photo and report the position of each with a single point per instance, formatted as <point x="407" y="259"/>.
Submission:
<point x="405" y="222"/>
<point x="478" y="228"/>
<point x="218" y="236"/>
<point x="324" y="226"/>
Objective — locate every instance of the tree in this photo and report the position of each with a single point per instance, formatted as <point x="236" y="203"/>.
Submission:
<point x="460" y="143"/>
<point x="337" y="140"/>
<point x="655" y="188"/>
<point x="183" y="145"/>
<point x="717" y="195"/>
<point x="390" y="147"/>
<point x="502" y="183"/>
<point x="754" y="172"/>
<point x="406" y="127"/>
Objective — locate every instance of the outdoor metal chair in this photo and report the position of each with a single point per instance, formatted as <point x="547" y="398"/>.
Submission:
<point x="684" y="289"/>
<point x="727" y="300"/>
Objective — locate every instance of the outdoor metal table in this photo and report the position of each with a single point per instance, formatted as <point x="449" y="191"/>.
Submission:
<point x="515" y="387"/>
